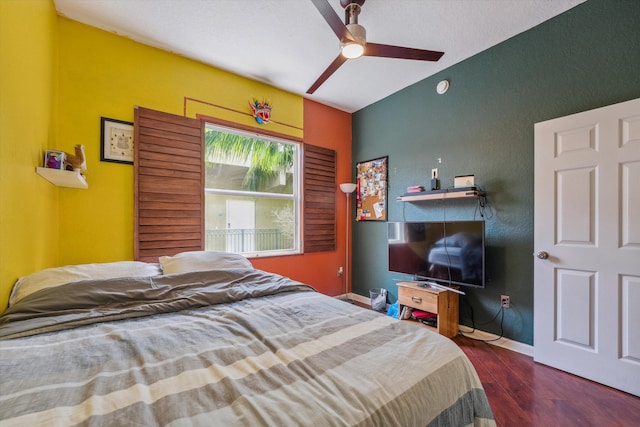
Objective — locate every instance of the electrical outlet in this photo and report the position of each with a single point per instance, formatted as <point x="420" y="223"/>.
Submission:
<point x="340" y="271"/>
<point x="505" y="301"/>
<point x="434" y="173"/>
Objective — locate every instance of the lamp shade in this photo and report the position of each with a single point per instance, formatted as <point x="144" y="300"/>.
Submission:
<point x="347" y="187"/>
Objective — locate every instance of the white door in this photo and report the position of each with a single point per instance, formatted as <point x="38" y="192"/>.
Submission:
<point x="587" y="221"/>
<point x="241" y="225"/>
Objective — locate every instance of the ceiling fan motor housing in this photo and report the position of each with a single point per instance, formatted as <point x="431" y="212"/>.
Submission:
<point x="358" y="32"/>
<point x="351" y="11"/>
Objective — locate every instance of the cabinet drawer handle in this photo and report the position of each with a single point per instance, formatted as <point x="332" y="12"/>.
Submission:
<point x="416" y="299"/>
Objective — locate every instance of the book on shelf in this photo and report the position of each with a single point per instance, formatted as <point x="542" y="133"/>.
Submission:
<point x="415" y="189"/>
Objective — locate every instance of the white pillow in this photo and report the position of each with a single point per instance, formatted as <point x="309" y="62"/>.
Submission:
<point x="57" y="276"/>
<point x="202" y="260"/>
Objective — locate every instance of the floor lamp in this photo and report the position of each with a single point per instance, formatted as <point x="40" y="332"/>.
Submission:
<point x="347" y="188"/>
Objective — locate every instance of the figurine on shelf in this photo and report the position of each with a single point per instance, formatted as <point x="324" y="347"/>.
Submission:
<point x="76" y="162"/>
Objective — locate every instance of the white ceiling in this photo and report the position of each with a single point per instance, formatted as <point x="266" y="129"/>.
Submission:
<point x="287" y="43"/>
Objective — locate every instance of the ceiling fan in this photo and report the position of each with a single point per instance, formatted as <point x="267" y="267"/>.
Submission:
<point x="353" y="40"/>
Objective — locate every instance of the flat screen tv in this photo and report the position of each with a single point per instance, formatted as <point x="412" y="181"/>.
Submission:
<point x="448" y="253"/>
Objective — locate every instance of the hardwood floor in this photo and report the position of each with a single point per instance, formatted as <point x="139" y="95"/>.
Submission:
<point x="524" y="393"/>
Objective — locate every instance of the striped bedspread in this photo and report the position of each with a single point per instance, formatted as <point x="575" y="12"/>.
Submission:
<point x="224" y="348"/>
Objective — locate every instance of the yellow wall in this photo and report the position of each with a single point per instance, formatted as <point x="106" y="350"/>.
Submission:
<point x="102" y="74"/>
<point x="28" y="204"/>
<point x="57" y="78"/>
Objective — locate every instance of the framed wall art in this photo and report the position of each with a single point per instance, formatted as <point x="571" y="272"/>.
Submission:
<point x="116" y="141"/>
<point x="371" y="190"/>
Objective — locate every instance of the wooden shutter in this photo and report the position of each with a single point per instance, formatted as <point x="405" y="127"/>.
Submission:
<point x="319" y="199"/>
<point x="168" y="184"/>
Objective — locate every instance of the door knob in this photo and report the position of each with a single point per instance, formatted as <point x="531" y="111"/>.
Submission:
<point x="542" y="254"/>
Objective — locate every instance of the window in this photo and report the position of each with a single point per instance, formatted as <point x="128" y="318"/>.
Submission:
<point x="252" y="193"/>
<point x="169" y="201"/>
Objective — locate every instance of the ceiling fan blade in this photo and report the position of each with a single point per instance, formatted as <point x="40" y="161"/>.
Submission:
<point x="327" y="73"/>
<point x="332" y="19"/>
<point x="388" y="51"/>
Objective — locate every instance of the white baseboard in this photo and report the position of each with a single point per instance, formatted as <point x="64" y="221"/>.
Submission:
<point x="516" y="346"/>
<point x="359" y="298"/>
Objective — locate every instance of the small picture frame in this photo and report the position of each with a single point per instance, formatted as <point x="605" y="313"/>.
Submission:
<point x="54" y="159"/>
<point x="463" y="181"/>
<point x="116" y="141"/>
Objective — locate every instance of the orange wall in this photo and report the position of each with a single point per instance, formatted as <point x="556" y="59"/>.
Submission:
<point x="329" y="128"/>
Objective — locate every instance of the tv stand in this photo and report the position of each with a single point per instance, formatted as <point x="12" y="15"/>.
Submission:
<point x="443" y="303"/>
<point x="429" y="284"/>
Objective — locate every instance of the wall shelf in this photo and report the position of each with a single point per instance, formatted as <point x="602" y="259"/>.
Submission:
<point x="63" y="178"/>
<point x="440" y="195"/>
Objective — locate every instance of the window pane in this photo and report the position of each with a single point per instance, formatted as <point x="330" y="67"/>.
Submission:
<point x="242" y="163"/>
<point x="248" y="224"/>
<point x="251" y="193"/>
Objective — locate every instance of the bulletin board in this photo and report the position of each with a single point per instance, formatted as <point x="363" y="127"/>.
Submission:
<point x="371" y="190"/>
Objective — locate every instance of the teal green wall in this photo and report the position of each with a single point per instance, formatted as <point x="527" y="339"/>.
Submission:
<point x="585" y="58"/>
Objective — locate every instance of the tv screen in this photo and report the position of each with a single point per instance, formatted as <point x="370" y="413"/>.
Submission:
<point x="449" y="253"/>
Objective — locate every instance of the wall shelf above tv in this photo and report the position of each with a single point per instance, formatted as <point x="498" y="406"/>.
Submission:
<point x="63" y="178"/>
<point x="418" y="197"/>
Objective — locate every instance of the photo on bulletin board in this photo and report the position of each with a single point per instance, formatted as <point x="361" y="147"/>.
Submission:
<point x="371" y="191"/>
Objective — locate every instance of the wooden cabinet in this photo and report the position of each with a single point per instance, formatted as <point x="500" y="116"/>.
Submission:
<point x="443" y="303"/>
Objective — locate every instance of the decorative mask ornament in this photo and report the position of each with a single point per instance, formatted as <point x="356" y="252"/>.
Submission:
<point x="261" y="111"/>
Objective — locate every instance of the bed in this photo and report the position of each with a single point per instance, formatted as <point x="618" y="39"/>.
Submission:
<point x="191" y="342"/>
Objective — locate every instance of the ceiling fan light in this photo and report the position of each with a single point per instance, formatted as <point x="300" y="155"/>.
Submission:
<point x="352" y="50"/>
